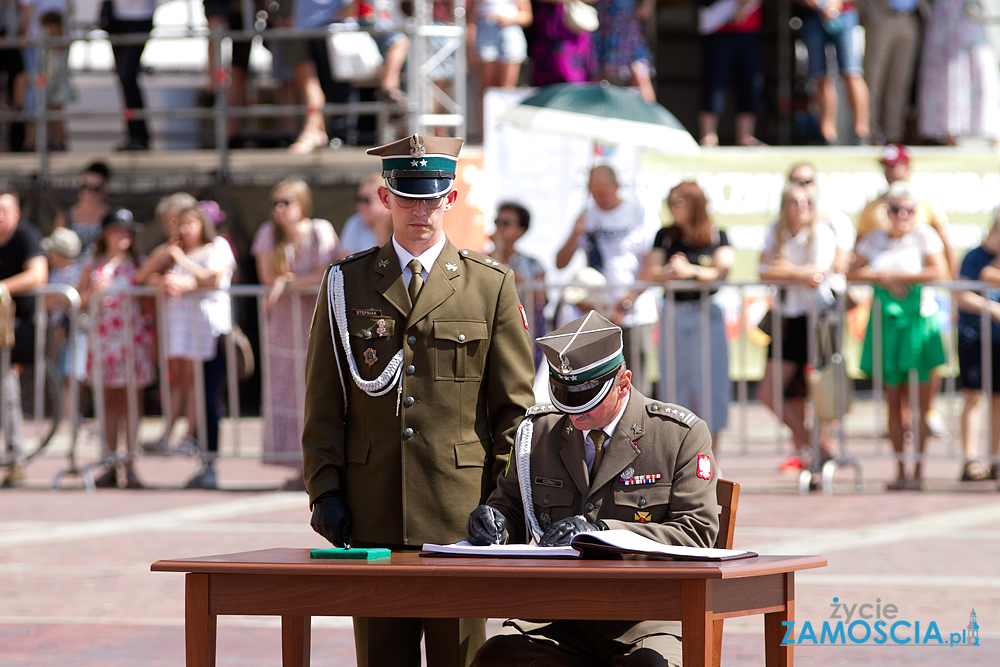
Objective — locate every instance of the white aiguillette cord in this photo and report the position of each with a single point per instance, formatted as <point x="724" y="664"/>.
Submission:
<point x="393" y="370"/>
<point x="522" y="445"/>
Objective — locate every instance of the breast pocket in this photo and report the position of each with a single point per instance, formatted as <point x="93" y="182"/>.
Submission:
<point x="643" y="503"/>
<point x="553" y="503"/>
<point x="460" y="349"/>
<point x="372" y="343"/>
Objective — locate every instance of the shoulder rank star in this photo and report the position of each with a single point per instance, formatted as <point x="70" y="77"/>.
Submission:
<point x="451" y="267"/>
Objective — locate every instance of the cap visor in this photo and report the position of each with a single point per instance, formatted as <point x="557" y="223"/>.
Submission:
<point x="577" y="402"/>
<point x="419" y="188"/>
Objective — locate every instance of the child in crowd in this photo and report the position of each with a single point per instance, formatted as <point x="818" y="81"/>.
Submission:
<point x="54" y="74"/>
<point x="120" y="358"/>
<point x="62" y="248"/>
<point x="190" y="261"/>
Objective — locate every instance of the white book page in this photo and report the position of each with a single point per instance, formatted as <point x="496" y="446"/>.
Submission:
<point x="628" y="542"/>
<point x="463" y="548"/>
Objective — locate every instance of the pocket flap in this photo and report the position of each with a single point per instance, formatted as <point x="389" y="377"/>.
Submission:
<point x="643" y="496"/>
<point x="460" y="331"/>
<point x="357" y="450"/>
<point x="470" y="454"/>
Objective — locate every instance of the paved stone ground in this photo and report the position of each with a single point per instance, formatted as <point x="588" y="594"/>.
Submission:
<point x="76" y="590"/>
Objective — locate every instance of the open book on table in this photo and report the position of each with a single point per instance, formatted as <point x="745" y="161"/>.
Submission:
<point x="590" y="545"/>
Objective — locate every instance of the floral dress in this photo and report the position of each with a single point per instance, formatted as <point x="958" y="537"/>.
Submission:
<point x="618" y="41"/>
<point x="286" y="355"/>
<point x="117" y="317"/>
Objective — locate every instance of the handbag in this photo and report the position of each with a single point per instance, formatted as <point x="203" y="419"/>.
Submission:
<point x="354" y="56"/>
<point x="245" y="365"/>
<point x="829" y="387"/>
<point x="580" y="17"/>
<point x="6" y="318"/>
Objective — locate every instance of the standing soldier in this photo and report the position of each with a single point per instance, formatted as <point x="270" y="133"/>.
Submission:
<point x="418" y="371"/>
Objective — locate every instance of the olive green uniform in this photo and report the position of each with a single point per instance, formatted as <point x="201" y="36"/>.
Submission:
<point x="657" y="479"/>
<point x="413" y="461"/>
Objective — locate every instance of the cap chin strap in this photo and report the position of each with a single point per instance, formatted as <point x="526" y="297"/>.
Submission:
<point x="586" y="407"/>
<point x="407" y="195"/>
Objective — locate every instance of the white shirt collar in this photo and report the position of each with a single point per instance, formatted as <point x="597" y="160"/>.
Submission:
<point x="426" y="259"/>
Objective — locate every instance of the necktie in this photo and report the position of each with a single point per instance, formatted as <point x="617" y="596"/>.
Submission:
<point x="416" y="280"/>
<point x="599" y="437"/>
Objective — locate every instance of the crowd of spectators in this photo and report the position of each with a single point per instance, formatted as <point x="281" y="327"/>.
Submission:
<point x="810" y="250"/>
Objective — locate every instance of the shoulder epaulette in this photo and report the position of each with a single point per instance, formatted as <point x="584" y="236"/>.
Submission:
<point x="356" y="255"/>
<point x="480" y="258"/>
<point x="540" y="409"/>
<point x="671" y="411"/>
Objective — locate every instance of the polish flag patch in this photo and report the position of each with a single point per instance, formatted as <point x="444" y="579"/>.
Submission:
<point x="704" y="466"/>
<point x="524" y="318"/>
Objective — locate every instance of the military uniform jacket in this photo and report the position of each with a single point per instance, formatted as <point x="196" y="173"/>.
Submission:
<point x="657" y="479"/>
<point x="415" y="460"/>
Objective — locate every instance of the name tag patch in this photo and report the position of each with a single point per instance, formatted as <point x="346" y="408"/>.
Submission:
<point x="369" y="312"/>
<point x="547" y="481"/>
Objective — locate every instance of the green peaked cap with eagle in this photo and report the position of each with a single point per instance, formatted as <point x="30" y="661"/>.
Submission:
<point x="583" y="358"/>
<point x="419" y="167"/>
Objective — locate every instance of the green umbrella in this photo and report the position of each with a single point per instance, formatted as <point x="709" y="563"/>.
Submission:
<point x="604" y="113"/>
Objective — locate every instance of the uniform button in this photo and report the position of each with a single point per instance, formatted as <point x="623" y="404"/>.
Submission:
<point x="654" y="408"/>
<point x="407" y="432"/>
<point x="408" y="401"/>
<point x="411" y="339"/>
<point x="642" y="502"/>
<point x="545" y="502"/>
<point x="589" y="507"/>
<point x="410" y="370"/>
<point x="461" y="337"/>
<point x="367" y="334"/>
<point x="465" y="252"/>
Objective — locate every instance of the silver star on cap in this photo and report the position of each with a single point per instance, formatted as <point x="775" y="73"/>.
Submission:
<point x="451" y="267"/>
<point x="414" y="163"/>
<point x="423" y="163"/>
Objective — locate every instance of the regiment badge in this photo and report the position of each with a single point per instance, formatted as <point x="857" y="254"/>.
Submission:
<point x="642" y="517"/>
<point x="704" y="466"/>
<point x="417" y="146"/>
<point x="371" y="357"/>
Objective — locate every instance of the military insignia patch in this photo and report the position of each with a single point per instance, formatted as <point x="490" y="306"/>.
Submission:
<point x="380" y="327"/>
<point x="642" y="517"/>
<point x="704" y="466"/>
<point x="636" y="429"/>
<point x="451" y="267"/>
<point x="636" y="480"/>
<point x="627" y="474"/>
<point x="524" y="318"/>
<point x="417" y="146"/>
<point x="371" y="357"/>
<point x="382" y="263"/>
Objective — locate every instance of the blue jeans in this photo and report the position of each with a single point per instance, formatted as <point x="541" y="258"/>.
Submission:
<point x="815" y="37"/>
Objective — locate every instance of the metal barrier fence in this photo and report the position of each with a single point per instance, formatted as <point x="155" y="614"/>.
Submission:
<point x="742" y="302"/>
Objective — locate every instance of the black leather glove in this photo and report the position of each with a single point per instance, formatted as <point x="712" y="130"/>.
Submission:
<point x="331" y="518"/>
<point x="562" y="531"/>
<point x="486" y="525"/>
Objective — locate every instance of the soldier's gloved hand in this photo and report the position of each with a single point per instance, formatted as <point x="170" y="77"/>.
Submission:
<point x="486" y="525"/>
<point x="562" y="531"/>
<point x="331" y="518"/>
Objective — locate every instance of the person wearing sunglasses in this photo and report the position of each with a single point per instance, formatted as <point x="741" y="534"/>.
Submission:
<point x="897" y="261"/>
<point x="85" y="215"/>
<point x="371" y="224"/>
<point x="291" y="253"/>
<point x="798" y="253"/>
<point x="418" y="372"/>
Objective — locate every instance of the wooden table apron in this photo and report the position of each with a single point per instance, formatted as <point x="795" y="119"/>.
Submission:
<point x="287" y="583"/>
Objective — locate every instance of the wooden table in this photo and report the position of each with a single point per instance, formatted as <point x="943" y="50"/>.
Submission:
<point x="287" y="583"/>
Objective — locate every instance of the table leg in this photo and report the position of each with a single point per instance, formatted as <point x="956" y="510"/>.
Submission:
<point x="199" y="624"/>
<point x="697" y="635"/>
<point x="296" y="635"/>
<point x="777" y="654"/>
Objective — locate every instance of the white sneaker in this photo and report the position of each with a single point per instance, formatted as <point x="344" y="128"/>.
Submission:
<point x="188" y="446"/>
<point x="936" y="425"/>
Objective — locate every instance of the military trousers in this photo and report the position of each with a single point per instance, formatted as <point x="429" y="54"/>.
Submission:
<point x="395" y="642"/>
<point x="574" y="644"/>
